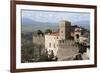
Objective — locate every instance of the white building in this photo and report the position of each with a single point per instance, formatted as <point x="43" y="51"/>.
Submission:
<point x="52" y="42"/>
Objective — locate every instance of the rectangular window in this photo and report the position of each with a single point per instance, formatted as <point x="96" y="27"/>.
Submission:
<point x="49" y="44"/>
<point x="54" y="45"/>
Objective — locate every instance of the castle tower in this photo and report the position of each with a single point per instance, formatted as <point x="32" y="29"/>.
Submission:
<point x="64" y="29"/>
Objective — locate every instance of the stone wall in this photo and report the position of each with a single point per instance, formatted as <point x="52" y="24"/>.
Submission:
<point x="39" y="40"/>
<point x="67" y="50"/>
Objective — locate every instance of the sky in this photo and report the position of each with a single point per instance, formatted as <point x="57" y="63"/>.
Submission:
<point x="55" y="16"/>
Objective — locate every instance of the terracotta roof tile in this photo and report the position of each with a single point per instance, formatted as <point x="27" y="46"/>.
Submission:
<point x="55" y="33"/>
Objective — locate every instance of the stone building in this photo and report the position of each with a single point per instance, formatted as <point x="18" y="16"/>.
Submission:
<point x="63" y="42"/>
<point x="39" y="40"/>
<point x="64" y="30"/>
<point x="77" y="34"/>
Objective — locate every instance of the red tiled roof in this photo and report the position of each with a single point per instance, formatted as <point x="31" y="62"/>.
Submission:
<point x="55" y="33"/>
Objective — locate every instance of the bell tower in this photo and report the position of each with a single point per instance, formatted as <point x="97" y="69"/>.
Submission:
<point x="64" y="29"/>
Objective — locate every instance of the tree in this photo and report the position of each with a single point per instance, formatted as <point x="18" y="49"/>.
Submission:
<point x="44" y="57"/>
<point x="78" y="57"/>
<point x="48" y="31"/>
<point x="39" y="32"/>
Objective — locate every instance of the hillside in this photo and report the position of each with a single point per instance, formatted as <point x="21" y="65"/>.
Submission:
<point x="29" y="25"/>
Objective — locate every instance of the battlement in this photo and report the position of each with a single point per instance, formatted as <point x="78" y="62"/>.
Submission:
<point x="67" y="50"/>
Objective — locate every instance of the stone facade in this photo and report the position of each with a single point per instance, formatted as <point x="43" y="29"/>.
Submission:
<point x="39" y="40"/>
<point x="64" y="29"/>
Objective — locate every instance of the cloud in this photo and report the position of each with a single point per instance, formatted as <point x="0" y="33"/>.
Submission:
<point x="54" y="16"/>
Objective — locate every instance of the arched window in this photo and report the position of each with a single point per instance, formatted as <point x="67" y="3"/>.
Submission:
<point x="77" y="36"/>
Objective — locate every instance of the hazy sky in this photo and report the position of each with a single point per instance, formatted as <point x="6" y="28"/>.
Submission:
<point x="55" y="16"/>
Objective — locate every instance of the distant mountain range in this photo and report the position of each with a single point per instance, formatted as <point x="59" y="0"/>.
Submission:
<point x="26" y="21"/>
<point x="29" y="25"/>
